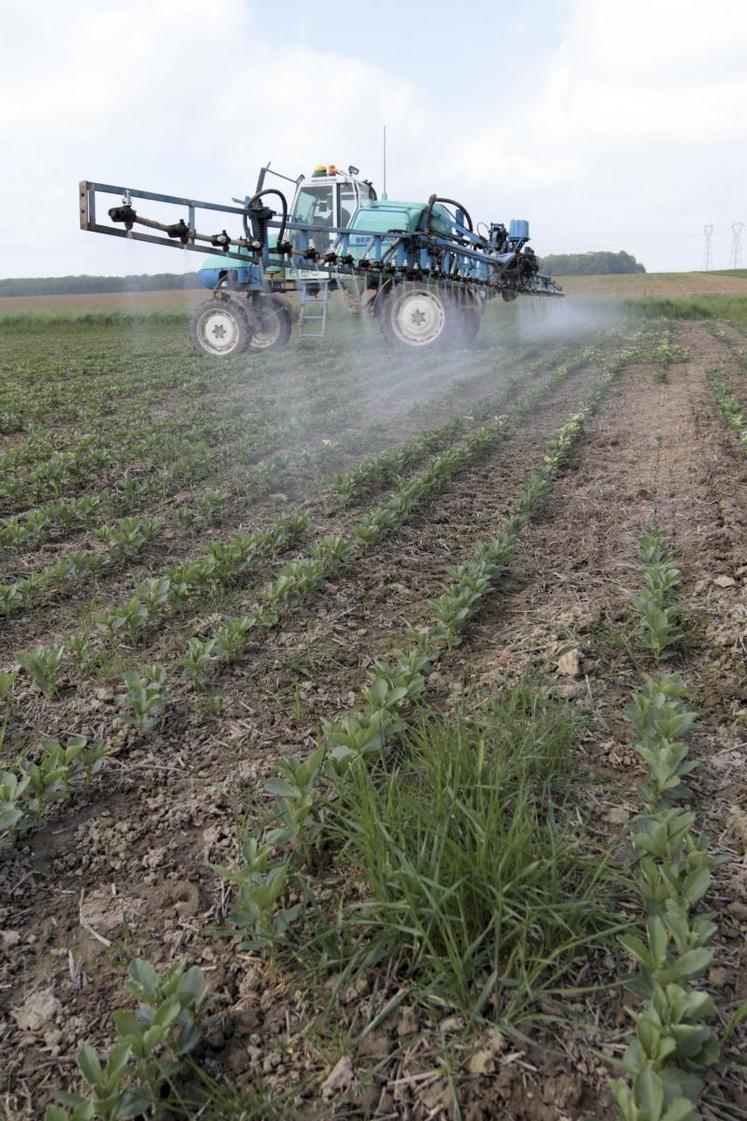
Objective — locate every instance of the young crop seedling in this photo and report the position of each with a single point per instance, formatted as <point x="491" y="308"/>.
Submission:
<point x="673" y="1044"/>
<point x="729" y="406"/>
<point x="200" y="660"/>
<point x="7" y="681"/>
<point x="44" y="666"/>
<point x="127" y="539"/>
<point x="151" y="1045"/>
<point x="261" y="887"/>
<point x="659" y="614"/>
<point x="50" y="779"/>
<point x="146" y="697"/>
<point x="32" y="784"/>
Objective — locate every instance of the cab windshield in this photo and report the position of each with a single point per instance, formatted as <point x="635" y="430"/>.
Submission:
<point x="314" y="205"/>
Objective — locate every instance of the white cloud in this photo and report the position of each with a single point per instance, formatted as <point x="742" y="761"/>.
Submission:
<point x="631" y="129"/>
<point x="634" y="135"/>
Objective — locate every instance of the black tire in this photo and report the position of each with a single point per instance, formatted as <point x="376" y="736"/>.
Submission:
<point x="219" y="328"/>
<point x="275" y="323"/>
<point x="415" y="315"/>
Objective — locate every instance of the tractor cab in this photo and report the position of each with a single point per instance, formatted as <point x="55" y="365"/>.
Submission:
<point x="328" y="197"/>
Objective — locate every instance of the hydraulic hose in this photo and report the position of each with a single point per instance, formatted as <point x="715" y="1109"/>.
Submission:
<point x="448" y="202"/>
<point x="253" y="202"/>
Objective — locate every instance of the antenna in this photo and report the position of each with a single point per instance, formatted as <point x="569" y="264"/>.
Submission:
<point x="708" y="231"/>
<point x="736" y="244"/>
<point x="383" y="192"/>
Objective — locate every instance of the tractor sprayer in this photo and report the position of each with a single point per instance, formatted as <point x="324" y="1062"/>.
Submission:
<point x="424" y="271"/>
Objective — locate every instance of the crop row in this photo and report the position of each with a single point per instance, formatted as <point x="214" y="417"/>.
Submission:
<point x="200" y="462"/>
<point x="663" y="352"/>
<point x="375" y="471"/>
<point x="91" y="390"/>
<point x="88" y="386"/>
<point x="123" y="541"/>
<point x="299" y="580"/>
<point x="153" y="598"/>
<point x="109" y="444"/>
<point x="729" y="406"/>
<point x="61" y="515"/>
<point x="736" y="346"/>
<point x="65" y="470"/>
<point x="85" y="386"/>
<point x="142" y="436"/>
<point x="673" y="1044"/>
<point x="265" y="886"/>
<point x="29" y="786"/>
<point x="221" y="566"/>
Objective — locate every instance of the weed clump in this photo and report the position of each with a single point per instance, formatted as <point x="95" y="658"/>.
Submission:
<point x="474" y="882"/>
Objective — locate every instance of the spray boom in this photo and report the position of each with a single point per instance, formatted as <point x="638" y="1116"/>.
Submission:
<point x="423" y="269"/>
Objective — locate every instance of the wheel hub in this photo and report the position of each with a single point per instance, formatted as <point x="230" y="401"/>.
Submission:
<point x="418" y="318"/>
<point x="219" y="331"/>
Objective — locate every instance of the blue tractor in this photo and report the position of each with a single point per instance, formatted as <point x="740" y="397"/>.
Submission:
<point x="422" y="270"/>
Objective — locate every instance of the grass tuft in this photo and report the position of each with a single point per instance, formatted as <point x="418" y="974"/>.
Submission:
<point x="474" y="881"/>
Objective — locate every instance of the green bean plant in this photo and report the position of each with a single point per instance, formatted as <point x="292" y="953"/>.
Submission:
<point x="31" y="784"/>
<point x="199" y="661"/>
<point x="44" y="665"/>
<point x="127" y="539"/>
<point x="152" y="1044"/>
<point x="261" y="887"/>
<point x="673" y="1044"/>
<point x="51" y="778"/>
<point x="730" y="408"/>
<point x="658" y="614"/>
<point x="146" y="697"/>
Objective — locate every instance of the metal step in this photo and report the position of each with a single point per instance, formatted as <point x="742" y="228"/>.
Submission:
<point x="314" y="301"/>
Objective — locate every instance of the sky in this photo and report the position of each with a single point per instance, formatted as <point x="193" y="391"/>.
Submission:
<point x="609" y="124"/>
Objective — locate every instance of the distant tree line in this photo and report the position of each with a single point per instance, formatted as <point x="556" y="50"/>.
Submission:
<point x="61" y="285"/>
<point x="590" y="264"/>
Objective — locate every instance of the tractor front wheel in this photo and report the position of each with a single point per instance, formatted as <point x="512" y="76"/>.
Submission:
<point x="219" y="327"/>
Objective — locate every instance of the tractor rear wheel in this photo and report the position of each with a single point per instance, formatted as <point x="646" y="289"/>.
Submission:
<point x="413" y="314"/>
<point x="275" y="322"/>
<point x="219" y="327"/>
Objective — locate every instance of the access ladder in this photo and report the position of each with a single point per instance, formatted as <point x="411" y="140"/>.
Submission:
<point x="314" y="303"/>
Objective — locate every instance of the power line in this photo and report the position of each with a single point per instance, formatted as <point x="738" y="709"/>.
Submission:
<point x="708" y="231"/>
<point x="736" y="244"/>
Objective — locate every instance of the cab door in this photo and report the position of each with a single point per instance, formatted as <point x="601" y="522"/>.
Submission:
<point x="347" y="203"/>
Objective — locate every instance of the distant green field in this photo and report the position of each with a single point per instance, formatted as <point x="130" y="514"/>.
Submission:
<point x="675" y="295"/>
<point x="661" y="284"/>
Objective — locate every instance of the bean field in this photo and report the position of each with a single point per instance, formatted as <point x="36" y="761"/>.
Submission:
<point x="374" y="725"/>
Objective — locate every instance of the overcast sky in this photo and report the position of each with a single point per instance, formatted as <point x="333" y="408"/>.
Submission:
<point x="609" y="124"/>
